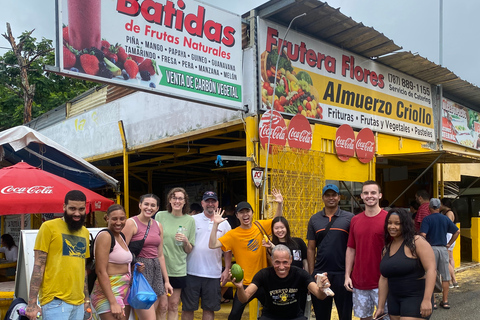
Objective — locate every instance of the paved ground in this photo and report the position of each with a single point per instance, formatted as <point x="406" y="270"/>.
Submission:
<point x="464" y="300"/>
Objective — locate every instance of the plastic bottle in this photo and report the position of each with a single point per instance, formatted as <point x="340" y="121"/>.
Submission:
<point x="87" y="314"/>
<point x="179" y="230"/>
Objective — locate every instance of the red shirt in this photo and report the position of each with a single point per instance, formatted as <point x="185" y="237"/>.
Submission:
<point x="422" y="212"/>
<point x="367" y="238"/>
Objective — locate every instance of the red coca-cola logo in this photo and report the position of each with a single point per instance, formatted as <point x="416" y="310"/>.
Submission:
<point x="365" y="145"/>
<point x="345" y="142"/>
<point x="27" y="190"/>
<point x="300" y="134"/>
<point x="276" y="130"/>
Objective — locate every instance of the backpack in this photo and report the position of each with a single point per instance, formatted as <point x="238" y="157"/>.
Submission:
<point x="90" y="266"/>
<point x="12" y="313"/>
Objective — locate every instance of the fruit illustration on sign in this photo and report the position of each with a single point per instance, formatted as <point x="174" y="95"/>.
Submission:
<point x="294" y="91"/>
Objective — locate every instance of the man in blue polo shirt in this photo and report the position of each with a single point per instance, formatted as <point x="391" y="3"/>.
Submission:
<point x="327" y="237"/>
<point x="435" y="228"/>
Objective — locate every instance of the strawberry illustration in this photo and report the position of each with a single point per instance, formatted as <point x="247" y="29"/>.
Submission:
<point x="69" y="58"/>
<point x="131" y="67"/>
<point x="111" y="54"/>
<point x="121" y="54"/>
<point x="148" y="65"/>
<point x="89" y="63"/>
<point x="105" y="45"/>
<point x="137" y="59"/>
<point x="65" y="33"/>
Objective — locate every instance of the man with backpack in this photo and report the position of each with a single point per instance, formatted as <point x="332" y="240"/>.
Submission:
<point x="58" y="277"/>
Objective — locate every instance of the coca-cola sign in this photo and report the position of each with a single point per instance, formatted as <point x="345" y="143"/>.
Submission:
<point x="365" y="145"/>
<point x="299" y="133"/>
<point x="27" y="190"/>
<point x="277" y="129"/>
<point x="345" y="142"/>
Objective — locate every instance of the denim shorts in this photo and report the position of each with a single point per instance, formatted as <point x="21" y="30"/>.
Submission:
<point x="60" y="310"/>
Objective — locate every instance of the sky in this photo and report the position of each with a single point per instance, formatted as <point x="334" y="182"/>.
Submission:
<point x="411" y="24"/>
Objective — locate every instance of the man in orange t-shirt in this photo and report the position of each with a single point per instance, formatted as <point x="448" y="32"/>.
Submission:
<point x="245" y="242"/>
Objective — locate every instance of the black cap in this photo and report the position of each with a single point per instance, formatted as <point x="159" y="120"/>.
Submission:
<point x="243" y="205"/>
<point x="210" y="195"/>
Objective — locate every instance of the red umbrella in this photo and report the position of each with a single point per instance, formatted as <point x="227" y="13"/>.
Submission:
<point x="26" y="189"/>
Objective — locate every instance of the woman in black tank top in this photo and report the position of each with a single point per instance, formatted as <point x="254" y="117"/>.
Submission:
<point x="407" y="268"/>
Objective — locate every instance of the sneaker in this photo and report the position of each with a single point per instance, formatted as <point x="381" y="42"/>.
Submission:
<point x="455" y="284"/>
<point x="451" y="286"/>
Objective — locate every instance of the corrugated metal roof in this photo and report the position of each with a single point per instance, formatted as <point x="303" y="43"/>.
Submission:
<point x="330" y="25"/>
<point x="48" y="118"/>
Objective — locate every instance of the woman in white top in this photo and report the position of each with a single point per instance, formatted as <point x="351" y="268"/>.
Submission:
<point x="9" y="248"/>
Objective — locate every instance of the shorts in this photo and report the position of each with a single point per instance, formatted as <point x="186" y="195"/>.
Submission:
<point x="364" y="303"/>
<point x="405" y="297"/>
<point x="58" y="309"/>
<point x="120" y="285"/>
<point x="178" y="282"/>
<point x="153" y="274"/>
<point x="441" y="258"/>
<point x="449" y="236"/>
<point x="208" y="289"/>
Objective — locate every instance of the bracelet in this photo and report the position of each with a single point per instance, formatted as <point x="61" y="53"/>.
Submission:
<point x="87" y="301"/>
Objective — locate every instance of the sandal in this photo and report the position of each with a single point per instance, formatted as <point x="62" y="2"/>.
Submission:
<point x="445" y="305"/>
<point x="225" y="301"/>
<point x="435" y="306"/>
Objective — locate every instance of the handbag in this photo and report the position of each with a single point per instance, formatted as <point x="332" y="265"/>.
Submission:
<point x="136" y="246"/>
<point x="141" y="294"/>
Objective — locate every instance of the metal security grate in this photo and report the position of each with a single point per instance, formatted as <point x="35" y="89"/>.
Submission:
<point x="299" y="175"/>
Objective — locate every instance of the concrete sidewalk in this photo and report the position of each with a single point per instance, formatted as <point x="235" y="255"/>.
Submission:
<point x="226" y="307"/>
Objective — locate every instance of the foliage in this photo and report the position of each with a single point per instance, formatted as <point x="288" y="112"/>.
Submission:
<point x="51" y="90"/>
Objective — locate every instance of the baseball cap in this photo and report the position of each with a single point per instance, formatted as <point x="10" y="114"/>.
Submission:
<point x="209" y="195"/>
<point x="330" y="187"/>
<point x="435" y="203"/>
<point x="243" y="205"/>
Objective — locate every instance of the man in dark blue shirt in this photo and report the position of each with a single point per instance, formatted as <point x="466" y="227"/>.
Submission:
<point x="435" y="228"/>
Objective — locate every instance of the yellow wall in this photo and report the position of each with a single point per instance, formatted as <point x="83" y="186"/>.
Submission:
<point x="475" y="233"/>
<point x="393" y="145"/>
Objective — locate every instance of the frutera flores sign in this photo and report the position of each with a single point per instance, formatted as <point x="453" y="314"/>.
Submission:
<point x="332" y="85"/>
<point x="181" y="48"/>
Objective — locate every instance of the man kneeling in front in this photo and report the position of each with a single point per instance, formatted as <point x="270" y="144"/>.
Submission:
<point x="283" y="285"/>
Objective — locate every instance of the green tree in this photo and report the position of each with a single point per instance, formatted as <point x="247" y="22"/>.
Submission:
<point x="26" y="89"/>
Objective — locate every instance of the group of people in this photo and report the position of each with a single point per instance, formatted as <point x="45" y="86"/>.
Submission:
<point x="381" y="263"/>
<point x="376" y="262"/>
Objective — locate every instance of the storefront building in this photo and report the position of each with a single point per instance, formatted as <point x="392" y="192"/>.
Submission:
<point x="333" y="73"/>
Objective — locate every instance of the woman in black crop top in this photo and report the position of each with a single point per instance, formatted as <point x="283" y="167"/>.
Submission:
<point x="407" y="268"/>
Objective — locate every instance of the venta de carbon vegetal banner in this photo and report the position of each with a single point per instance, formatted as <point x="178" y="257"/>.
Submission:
<point x="332" y="85"/>
<point x="182" y="47"/>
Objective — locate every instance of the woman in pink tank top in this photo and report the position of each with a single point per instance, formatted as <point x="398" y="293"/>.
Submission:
<point x="112" y="268"/>
<point x="151" y="254"/>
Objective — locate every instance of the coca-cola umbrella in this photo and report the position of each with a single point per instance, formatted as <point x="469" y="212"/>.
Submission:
<point x="26" y="189"/>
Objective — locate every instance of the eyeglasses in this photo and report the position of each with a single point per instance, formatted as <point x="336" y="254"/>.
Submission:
<point x="177" y="199"/>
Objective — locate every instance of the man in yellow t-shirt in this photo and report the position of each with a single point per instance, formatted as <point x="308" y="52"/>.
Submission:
<point x="58" y="277"/>
<point x="245" y="242"/>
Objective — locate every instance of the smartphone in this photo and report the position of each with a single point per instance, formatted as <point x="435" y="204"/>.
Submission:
<point x="381" y="317"/>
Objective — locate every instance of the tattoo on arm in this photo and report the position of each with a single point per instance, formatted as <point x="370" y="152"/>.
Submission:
<point x="37" y="275"/>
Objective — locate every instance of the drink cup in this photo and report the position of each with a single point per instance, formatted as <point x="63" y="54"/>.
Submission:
<point x="84" y="23"/>
<point x="329" y="292"/>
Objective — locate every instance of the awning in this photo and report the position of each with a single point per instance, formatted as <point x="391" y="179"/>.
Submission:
<point x="24" y="144"/>
<point x="429" y="157"/>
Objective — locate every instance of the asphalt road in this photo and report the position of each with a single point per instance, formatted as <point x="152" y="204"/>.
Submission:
<point x="464" y="301"/>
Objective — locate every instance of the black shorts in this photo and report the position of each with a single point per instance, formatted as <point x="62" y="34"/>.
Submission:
<point x="178" y="282"/>
<point x="208" y="289"/>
